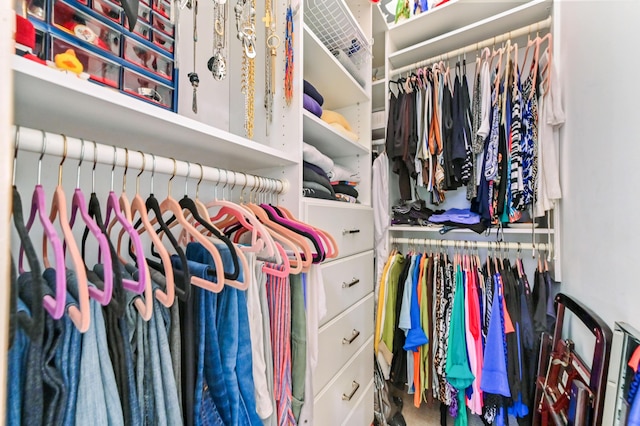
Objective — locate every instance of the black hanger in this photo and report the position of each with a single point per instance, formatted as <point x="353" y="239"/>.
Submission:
<point x="31" y="324"/>
<point x="188" y="204"/>
<point x="181" y="277"/>
<point x="320" y="252"/>
<point x="95" y="211"/>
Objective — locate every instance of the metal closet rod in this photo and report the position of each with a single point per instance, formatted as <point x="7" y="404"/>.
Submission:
<point x="471" y="244"/>
<point x="541" y="25"/>
<point x="33" y="141"/>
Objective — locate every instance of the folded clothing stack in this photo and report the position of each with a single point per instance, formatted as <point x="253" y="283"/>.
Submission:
<point x="322" y="178"/>
<point x="345" y="190"/>
<point x="312" y="100"/>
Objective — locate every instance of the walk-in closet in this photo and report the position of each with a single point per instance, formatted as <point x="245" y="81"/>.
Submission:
<point x="318" y="212"/>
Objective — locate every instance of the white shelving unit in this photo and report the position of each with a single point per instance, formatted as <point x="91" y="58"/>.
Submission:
<point x="378" y="90"/>
<point x="62" y="103"/>
<point x="328" y="139"/>
<point x="444" y="19"/>
<point x="508" y="20"/>
<point x="328" y="75"/>
<point x="437" y="228"/>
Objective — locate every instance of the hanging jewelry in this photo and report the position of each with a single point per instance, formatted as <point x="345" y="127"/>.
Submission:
<point x="288" y="69"/>
<point x="218" y="62"/>
<point x="245" y="11"/>
<point x="272" y="43"/>
<point x="193" y="76"/>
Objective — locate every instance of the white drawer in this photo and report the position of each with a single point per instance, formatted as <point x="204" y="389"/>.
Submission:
<point x="346" y="281"/>
<point x="333" y="405"/>
<point x="340" y="338"/>
<point x="362" y="413"/>
<point x="351" y="226"/>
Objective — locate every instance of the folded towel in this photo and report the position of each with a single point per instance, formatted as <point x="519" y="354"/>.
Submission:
<point x="343" y="182"/>
<point x="345" y="189"/>
<point x="340" y="173"/>
<point x="310" y="154"/>
<point x="331" y="117"/>
<point x="311" y="105"/>
<point x="346" y="133"/>
<point x="313" y="92"/>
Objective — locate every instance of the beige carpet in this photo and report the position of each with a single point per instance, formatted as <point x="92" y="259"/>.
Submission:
<point x="427" y="414"/>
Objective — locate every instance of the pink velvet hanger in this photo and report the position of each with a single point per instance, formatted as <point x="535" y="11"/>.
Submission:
<point x="80" y="314"/>
<point x="78" y="203"/>
<point x="138" y="207"/>
<point x="55" y="306"/>
<point x="113" y="207"/>
<point x="143" y="304"/>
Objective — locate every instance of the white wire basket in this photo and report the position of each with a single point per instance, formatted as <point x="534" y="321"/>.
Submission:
<point x="332" y="22"/>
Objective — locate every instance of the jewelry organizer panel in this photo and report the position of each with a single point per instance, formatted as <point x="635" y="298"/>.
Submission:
<point x="212" y="95"/>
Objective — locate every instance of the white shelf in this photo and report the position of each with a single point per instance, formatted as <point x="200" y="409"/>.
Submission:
<point x="378" y="90"/>
<point x="436" y="229"/>
<point x="328" y="76"/>
<point x="331" y="203"/>
<point x="328" y="139"/>
<point x="56" y="102"/>
<point x="501" y="23"/>
<point x="446" y="18"/>
<point x="379" y="21"/>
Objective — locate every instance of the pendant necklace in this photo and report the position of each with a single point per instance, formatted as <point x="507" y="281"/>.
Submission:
<point x="193" y="76"/>
<point x="245" y="11"/>
<point x="218" y="62"/>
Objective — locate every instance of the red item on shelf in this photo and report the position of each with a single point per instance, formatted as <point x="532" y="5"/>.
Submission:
<point x="26" y="39"/>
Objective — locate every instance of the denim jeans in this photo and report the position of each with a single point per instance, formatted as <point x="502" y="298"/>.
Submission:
<point x="207" y="399"/>
<point x="120" y="352"/>
<point x="68" y="353"/>
<point x="98" y="402"/>
<point x="234" y="340"/>
<point x="17" y="363"/>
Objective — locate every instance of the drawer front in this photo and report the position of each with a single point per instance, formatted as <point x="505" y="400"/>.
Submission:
<point x="352" y="227"/>
<point x="346" y="281"/>
<point x="339" y="339"/>
<point x="362" y="414"/>
<point x="336" y="401"/>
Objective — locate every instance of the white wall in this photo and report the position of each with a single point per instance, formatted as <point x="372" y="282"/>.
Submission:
<point x="600" y="153"/>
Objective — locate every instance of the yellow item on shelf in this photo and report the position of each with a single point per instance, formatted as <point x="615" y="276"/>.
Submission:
<point x="68" y="61"/>
<point x="331" y="117"/>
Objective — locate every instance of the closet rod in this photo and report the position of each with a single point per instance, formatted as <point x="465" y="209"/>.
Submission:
<point x="544" y="24"/>
<point x="472" y="244"/>
<point x="32" y="140"/>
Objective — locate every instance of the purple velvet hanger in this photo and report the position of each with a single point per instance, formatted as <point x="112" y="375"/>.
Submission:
<point x="308" y="232"/>
<point x="56" y="306"/>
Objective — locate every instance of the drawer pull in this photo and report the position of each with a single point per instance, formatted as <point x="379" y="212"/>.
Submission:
<point x="350" y="231"/>
<point x="351" y="284"/>
<point x="354" y="335"/>
<point x="354" y="388"/>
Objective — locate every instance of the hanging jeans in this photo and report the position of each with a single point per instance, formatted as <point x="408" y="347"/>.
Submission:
<point x="17" y="360"/>
<point x="232" y="324"/>
<point x="210" y="398"/>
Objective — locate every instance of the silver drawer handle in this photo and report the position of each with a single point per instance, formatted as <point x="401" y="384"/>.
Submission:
<point x="354" y="335"/>
<point x="351" y="284"/>
<point x="354" y="388"/>
<point x="350" y="231"/>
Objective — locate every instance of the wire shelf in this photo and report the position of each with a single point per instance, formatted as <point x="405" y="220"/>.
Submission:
<point x="332" y="22"/>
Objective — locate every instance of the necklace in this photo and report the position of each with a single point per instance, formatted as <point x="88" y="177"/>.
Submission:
<point x="245" y="11"/>
<point x="218" y="62"/>
<point x="272" y="43"/>
<point x="193" y="76"/>
<point x="288" y="69"/>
